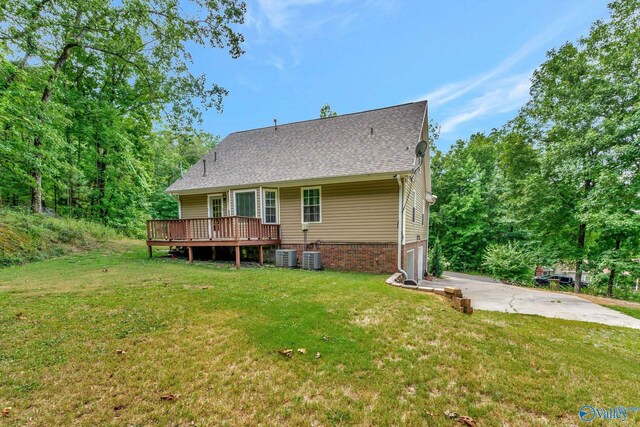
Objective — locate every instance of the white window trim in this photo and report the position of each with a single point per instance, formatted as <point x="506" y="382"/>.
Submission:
<point x="215" y="196"/>
<point x="179" y="208"/>
<point x="235" y="201"/>
<point x="264" y="205"/>
<point x="317" y="187"/>
<point x="410" y="254"/>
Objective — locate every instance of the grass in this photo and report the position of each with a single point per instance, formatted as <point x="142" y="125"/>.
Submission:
<point x="25" y="237"/>
<point x="631" y="311"/>
<point x="209" y="334"/>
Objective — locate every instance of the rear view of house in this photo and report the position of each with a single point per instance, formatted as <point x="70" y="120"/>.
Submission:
<point x="350" y="187"/>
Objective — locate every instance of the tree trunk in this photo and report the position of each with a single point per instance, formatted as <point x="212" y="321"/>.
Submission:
<point x="612" y="274"/>
<point x="582" y="232"/>
<point x="36" y="191"/>
<point x="101" y="167"/>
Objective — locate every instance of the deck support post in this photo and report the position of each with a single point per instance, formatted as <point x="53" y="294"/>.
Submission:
<point x="150" y="248"/>
<point x="238" y="257"/>
<point x="190" y="250"/>
<point x="261" y="256"/>
<point x="213" y="253"/>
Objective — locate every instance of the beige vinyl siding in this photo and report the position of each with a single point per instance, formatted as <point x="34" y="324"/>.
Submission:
<point x="351" y="213"/>
<point x="415" y="229"/>
<point x="194" y="206"/>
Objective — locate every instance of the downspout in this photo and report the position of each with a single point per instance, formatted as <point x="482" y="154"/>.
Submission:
<point x="431" y="201"/>
<point x="428" y="220"/>
<point x="400" y="225"/>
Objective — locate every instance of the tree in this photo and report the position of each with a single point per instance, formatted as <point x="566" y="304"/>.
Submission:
<point x="139" y="45"/>
<point x="583" y="116"/>
<point x="436" y="264"/>
<point x="326" y="111"/>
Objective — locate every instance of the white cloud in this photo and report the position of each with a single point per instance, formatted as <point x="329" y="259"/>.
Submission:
<point x="276" y="61"/>
<point x="504" y="95"/>
<point x="451" y="91"/>
<point x="280" y="12"/>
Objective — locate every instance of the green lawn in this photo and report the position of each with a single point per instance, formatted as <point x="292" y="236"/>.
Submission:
<point x="209" y="335"/>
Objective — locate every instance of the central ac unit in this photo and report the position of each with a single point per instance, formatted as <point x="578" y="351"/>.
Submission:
<point x="311" y="260"/>
<point x="286" y="258"/>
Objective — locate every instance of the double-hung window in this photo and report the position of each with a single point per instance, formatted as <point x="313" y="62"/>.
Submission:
<point x="270" y="206"/>
<point x="311" y="204"/>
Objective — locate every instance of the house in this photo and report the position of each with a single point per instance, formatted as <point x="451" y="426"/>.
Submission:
<point x="353" y="181"/>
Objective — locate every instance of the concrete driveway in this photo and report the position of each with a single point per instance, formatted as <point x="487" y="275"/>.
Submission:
<point x="486" y="294"/>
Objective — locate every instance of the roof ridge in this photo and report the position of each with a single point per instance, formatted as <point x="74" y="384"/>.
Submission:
<point x="333" y="117"/>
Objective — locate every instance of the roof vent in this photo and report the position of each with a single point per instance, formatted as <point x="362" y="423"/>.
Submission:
<point x="275" y="124"/>
<point x="371" y="131"/>
<point x="204" y="167"/>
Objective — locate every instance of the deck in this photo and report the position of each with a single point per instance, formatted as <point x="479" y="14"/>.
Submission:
<point x="234" y="231"/>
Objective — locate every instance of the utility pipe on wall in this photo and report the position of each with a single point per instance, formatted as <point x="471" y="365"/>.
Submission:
<point x="400" y="225"/>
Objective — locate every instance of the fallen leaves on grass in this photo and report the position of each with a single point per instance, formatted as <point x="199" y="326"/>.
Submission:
<point x="302" y="350"/>
<point x="451" y="414"/>
<point x="286" y="352"/>
<point x="169" y="396"/>
<point x="21" y="316"/>
<point x="318" y="355"/>
<point x="468" y="421"/>
<point x="121" y="351"/>
<point x="5" y="411"/>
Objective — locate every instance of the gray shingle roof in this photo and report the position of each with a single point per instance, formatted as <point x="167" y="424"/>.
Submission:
<point x="322" y="148"/>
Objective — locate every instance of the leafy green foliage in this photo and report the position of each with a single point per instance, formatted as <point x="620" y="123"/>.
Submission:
<point x="509" y="263"/>
<point x="98" y="103"/>
<point x="326" y="111"/>
<point x="436" y="262"/>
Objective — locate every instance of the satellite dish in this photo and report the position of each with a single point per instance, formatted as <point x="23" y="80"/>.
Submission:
<point x="421" y="149"/>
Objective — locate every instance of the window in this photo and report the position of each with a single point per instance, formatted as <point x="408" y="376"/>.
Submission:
<point x="413" y="212"/>
<point x="215" y="208"/>
<point x="311" y="207"/>
<point x="270" y="206"/>
<point x="246" y="203"/>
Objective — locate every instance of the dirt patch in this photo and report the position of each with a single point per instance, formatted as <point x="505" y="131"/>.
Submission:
<point x="609" y="301"/>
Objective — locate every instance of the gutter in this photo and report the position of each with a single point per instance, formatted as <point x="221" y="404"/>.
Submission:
<point x="400" y="225"/>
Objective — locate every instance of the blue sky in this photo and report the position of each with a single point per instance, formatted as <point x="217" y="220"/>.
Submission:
<point x="471" y="59"/>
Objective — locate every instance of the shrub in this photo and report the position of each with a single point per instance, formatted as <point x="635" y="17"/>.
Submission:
<point x="509" y="263"/>
<point x="436" y="264"/>
<point x="26" y="237"/>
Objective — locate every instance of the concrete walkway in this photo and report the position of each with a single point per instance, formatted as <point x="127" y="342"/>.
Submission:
<point x="486" y="294"/>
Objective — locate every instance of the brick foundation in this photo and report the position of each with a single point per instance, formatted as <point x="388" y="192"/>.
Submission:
<point x="365" y="257"/>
